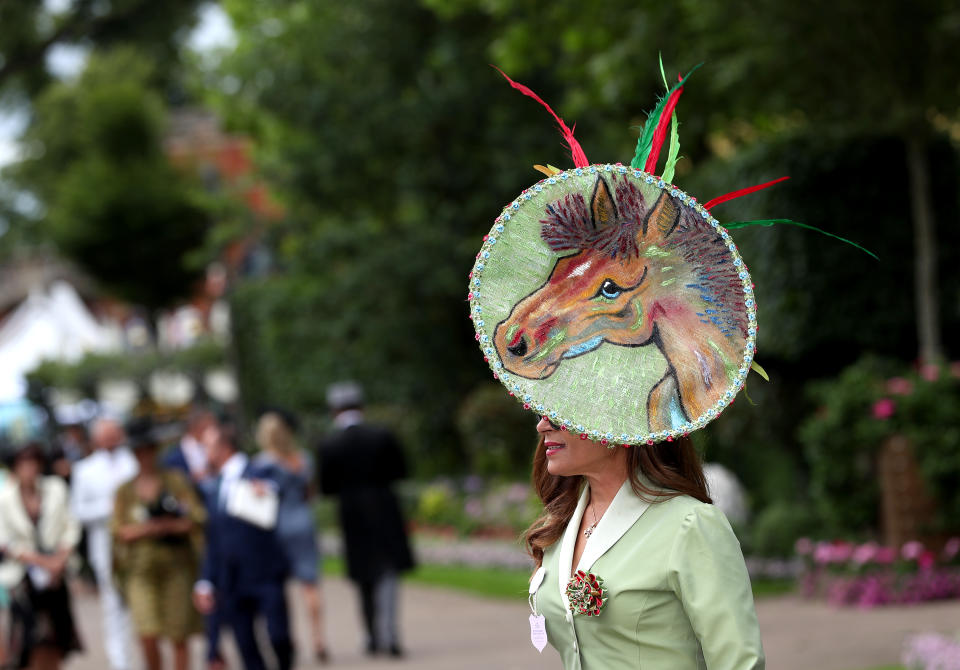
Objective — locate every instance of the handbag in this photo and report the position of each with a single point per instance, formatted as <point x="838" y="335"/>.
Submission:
<point x="253" y="501"/>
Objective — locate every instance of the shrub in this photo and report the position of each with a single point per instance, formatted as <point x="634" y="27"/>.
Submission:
<point x="777" y="527"/>
<point x="869" y="402"/>
<point x="497" y="434"/>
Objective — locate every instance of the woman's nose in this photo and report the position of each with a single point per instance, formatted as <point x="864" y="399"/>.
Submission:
<point x="544" y="425"/>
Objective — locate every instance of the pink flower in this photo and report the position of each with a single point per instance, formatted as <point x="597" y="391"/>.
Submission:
<point x="912" y="550"/>
<point x="930" y="372"/>
<point x="842" y="551"/>
<point x="884" y="408"/>
<point x="926" y="560"/>
<point x="473" y="508"/>
<point x="803" y="546"/>
<point x="823" y="553"/>
<point x="899" y="386"/>
<point x="885" y="555"/>
<point x="951" y="548"/>
<point x="865" y="553"/>
<point x="517" y="493"/>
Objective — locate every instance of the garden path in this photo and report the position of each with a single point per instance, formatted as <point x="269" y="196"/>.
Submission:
<point x="446" y="629"/>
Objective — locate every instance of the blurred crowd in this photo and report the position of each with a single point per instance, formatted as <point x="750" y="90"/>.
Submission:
<point x="182" y="532"/>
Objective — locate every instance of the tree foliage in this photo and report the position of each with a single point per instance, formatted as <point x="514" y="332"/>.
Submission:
<point x="31" y="29"/>
<point x="394" y="145"/>
<point x="108" y="196"/>
<point x="392" y="156"/>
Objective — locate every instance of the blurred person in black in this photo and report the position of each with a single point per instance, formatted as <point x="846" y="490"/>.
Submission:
<point x="358" y="464"/>
<point x="37" y="535"/>
<point x="244" y="567"/>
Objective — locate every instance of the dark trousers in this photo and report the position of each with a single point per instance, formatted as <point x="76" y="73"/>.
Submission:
<point x="270" y="602"/>
<point x="378" y="601"/>
<point x="212" y="625"/>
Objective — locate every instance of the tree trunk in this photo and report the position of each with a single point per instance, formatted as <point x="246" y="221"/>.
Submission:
<point x="925" y="252"/>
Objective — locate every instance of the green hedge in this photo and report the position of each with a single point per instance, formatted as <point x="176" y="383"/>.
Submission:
<point x="869" y="402"/>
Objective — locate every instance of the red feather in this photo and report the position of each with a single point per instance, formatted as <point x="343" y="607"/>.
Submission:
<point x="661" y="132"/>
<point x="742" y="191"/>
<point x="579" y="158"/>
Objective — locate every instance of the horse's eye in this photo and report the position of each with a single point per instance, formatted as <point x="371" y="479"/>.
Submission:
<point x="609" y="289"/>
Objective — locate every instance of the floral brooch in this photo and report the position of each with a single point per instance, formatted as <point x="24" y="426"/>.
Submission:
<point x="586" y="594"/>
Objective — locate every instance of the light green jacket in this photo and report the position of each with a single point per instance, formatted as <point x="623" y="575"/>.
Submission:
<point x="679" y="593"/>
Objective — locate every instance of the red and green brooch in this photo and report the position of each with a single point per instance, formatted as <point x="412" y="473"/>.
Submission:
<point x="585" y="593"/>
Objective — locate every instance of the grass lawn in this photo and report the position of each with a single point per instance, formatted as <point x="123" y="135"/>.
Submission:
<point x="510" y="584"/>
<point x="489" y="582"/>
<point x="772" y="587"/>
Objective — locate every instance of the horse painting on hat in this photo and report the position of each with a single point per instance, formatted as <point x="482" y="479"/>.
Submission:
<point x="640" y="268"/>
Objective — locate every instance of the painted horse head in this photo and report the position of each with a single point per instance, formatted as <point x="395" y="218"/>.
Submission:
<point x="634" y="274"/>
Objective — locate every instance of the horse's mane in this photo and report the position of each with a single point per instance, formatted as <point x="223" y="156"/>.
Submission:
<point x="569" y="224"/>
<point x="717" y="280"/>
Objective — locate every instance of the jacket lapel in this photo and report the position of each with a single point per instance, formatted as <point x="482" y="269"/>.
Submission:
<point x="623" y="512"/>
<point x="569" y="542"/>
<point x="16" y="513"/>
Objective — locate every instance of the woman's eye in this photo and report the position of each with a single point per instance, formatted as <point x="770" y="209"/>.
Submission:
<point x="609" y="289"/>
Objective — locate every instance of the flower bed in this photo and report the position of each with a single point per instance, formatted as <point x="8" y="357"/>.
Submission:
<point x="472" y="507"/>
<point x="870" y="575"/>
<point x="930" y="651"/>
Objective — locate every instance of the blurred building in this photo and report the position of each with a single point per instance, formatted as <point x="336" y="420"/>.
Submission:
<point x="45" y="316"/>
<point x="49" y="310"/>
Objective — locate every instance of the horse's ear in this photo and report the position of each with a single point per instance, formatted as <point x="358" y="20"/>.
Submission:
<point x="602" y="205"/>
<point x="664" y="216"/>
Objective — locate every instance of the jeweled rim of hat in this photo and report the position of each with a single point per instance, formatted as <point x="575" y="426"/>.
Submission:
<point x="615" y="304"/>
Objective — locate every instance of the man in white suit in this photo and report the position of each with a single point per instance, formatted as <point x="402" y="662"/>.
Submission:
<point x="95" y="481"/>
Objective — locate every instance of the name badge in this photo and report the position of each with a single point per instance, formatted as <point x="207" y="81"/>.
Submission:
<point x="538" y="632"/>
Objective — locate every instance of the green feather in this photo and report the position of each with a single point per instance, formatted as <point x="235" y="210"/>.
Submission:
<point x="650" y="127"/>
<point x="673" y="154"/>
<point x="769" y="222"/>
<point x="759" y="370"/>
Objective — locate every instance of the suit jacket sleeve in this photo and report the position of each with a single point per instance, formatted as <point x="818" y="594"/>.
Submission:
<point x="328" y="469"/>
<point x="211" y="556"/>
<point x="708" y="574"/>
<point x="10" y="540"/>
<point x="65" y="528"/>
<point x="397" y="468"/>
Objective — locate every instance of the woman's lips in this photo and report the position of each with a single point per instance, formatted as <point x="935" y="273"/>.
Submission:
<point x="553" y="447"/>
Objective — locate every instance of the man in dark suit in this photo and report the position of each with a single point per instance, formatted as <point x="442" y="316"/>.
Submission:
<point x="358" y="463"/>
<point x="244" y="568"/>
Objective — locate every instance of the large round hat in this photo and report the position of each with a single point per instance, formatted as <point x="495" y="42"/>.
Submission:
<point x="611" y="301"/>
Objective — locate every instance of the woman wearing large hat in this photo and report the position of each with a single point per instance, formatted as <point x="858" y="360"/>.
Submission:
<point x="616" y="308"/>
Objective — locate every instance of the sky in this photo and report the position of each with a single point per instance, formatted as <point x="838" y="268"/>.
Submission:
<point x="213" y="31"/>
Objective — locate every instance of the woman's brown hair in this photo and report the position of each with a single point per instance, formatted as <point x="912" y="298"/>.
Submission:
<point x="673" y="467"/>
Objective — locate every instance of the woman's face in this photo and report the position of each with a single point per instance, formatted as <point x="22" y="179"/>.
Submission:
<point x="146" y="456"/>
<point x="568" y="455"/>
<point x="27" y="469"/>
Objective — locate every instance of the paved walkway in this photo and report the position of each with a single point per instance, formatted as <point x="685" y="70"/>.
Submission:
<point x="449" y="630"/>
